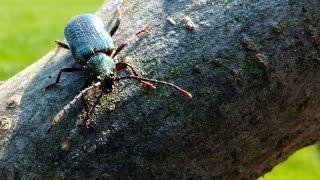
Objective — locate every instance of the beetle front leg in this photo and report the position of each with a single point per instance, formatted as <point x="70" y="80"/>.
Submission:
<point x="87" y="121"/>
<point x="58" y="117"/>
<point x="72" y="69"/>
<point x="87" y="108"/>
<point x="122" y="65"/>
<point x="87" y="118"/>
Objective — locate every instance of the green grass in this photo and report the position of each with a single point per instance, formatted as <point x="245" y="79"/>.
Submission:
<point x="28" y="29"/>
<point x="304" y="164"/>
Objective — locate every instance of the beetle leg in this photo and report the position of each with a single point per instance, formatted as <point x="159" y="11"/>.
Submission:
<point x="72" y="69"/>
<point x="87" y="118"/>
<point x="86" y="104"/>
<point x="62" y="44"/>
<point x="87" y="121"/>
<point x="120" y="48"/>
<point x="122" y="65"/>
<point x="117" y="24"/>
<point x="58" y="117"/>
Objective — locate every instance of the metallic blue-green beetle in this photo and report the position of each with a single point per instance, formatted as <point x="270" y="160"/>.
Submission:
<point x="92" y="47"/>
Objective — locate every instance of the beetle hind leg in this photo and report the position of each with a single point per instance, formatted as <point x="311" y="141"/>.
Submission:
<point x="121" y="46"/>
<point x="122" y="65"/>
<point x="117" y="24"/>
<point x="62" y="44"/>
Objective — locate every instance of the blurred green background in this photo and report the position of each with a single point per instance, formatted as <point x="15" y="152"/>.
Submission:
<point x="28" y="30"/>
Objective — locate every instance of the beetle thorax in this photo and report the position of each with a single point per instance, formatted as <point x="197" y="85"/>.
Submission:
<point x="101" y="66"/>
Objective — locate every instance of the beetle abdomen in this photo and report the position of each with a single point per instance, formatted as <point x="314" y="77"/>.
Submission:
<point x="86" y="34"/>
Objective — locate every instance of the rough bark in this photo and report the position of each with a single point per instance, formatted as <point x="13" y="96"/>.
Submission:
<point x="253" y="70"/>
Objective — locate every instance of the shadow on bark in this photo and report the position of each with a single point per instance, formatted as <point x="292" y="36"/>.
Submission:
<point x="253" y="75"/>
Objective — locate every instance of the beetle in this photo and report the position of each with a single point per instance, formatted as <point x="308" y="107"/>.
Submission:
<point x="93" y="49"/>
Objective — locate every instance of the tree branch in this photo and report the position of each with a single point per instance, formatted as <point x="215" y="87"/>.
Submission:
<point x="253" y="70"/>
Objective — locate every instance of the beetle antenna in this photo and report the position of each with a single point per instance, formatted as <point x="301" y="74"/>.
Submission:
<point x="183" y="92"/>
<point x="57" y="118"/>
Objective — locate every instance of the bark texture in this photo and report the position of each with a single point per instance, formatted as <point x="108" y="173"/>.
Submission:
<point x="252" y="67"/>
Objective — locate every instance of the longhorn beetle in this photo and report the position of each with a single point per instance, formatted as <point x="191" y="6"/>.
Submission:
<point x="92" y="47"/>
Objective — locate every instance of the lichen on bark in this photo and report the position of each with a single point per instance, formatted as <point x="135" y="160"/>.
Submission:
<point x="252" y="67"/>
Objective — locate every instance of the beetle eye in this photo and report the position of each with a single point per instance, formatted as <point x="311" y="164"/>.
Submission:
<point x="109" y="52"/>
<point x="89" y="55"/>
